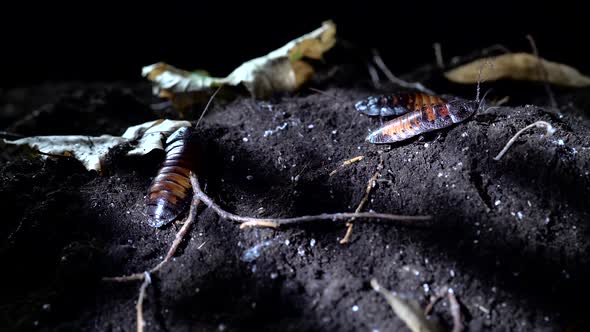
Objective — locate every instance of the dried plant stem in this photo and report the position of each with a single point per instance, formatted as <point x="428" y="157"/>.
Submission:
<point x="346" y="163"/>
<point x="139" y="307"/>
<point x="282" y="222"/>
<point x="538" y="124"/>
<point x="374" y="76"/>
<point x="418" y="86"/>
<point x="543" y="72"/>
<point x="370" y="185"/>
<point x="438" y="55"/>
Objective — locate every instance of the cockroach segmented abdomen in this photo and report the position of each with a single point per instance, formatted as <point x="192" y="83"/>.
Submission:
<point x="170" y="191"/>
<point x="396" y="104"/>
<point x="424" y="113"/>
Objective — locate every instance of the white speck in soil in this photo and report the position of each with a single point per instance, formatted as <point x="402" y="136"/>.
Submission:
<point x="310" y="126"/>
<point x="221" y="327"/>
<point x="287" y="242"/>
<point x="197" y="290"/>
<point x="273" y="275"/>
<point x="475" y="241"/>
<point x="547" y="220"/>
<point x="464" y="134"/>
<point x="312" y="243"/>
<point x="36" y="323"/>
<point x="249" y="177"/>
<point x="334" y="132"/>
<point x="440" y="174"/>
<point x="497" y="202"/>
<point x="254" y="252"/>
<point x="253" y="269"/>
<point x="253" y="305"/>
<point x="426" y="288"/>
<point x="426" y="145"/>
<point x="519" y="215"/>
<point x="355" y="308"/>
<point x="301" y="251"/>
<point x="47" y="307"/>
<point x="245" y="139"/>
<point x="452" y="273"/>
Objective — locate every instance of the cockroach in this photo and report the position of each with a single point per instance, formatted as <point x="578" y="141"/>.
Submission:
<point x="170" y="191"/>
<point x="416" y="113"/>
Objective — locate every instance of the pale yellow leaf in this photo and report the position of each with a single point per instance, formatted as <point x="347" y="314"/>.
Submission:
<point x="518" y="66"/>
<point x="282" y="70"/>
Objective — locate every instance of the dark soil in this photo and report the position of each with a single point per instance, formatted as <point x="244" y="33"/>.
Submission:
<point x="510" y="236"/>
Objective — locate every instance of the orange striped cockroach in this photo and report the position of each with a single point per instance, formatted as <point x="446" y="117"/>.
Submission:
<point x="416" y="113"/>
<point x="170" y="191"/>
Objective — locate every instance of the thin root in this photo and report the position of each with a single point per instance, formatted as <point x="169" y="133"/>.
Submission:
<point x="455" y="312"/>
<point x="370" y="185"/>
<point x="434" y="299"/>
<point x="539" y="124"/>
<point x="327" y="94"/>
<point x="346" y="163"/>
<point x="395" y="80"/>
<point x="146" y="281"/>
<point x="283" y="222"/>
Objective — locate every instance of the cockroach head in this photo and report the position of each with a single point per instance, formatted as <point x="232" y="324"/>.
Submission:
<point x="369" y="106"/>
<point x="461" y="109"/>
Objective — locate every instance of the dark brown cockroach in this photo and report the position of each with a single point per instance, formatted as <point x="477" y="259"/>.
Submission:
<point x="416" y="113"/>
<point x="170" y="191"/>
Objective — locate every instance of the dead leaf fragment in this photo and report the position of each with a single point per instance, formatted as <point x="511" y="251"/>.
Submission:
<point x="408" y="311"/>
<point x="91" y="150"/>
<point x="281" y="70"/>
<point x="518" y="66"/>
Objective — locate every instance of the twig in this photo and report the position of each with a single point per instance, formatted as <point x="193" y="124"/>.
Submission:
<point x="438" y="55"/>
<point x="207" y="106"/>
<point x="346" y="163"/>
<point x="192" y="216"/>
<point x="543" y="72"/>
<point x="455" y="312"/>
<point x="327" y="94"/>
<point x="281" y="222"/>
<point x="538" y="124"/>
<point x="370" y="185"/>
<point x="139" y="307"/>
<point x="434" y="299"/>
<point x="418" y="86"/>
<point x="374" y="76"/>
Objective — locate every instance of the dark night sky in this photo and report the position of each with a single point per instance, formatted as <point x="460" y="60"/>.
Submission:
<point x="108" y="42"/>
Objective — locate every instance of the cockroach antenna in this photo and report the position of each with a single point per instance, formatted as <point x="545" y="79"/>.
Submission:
<point x="207" y="106"/>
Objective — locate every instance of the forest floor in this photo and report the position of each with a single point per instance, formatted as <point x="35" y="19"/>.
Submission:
<point x="510" y="237"/>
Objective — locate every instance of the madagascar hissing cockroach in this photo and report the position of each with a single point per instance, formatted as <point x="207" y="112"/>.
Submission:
<point x="170" y="191"/>
<point x="416" y="113"/>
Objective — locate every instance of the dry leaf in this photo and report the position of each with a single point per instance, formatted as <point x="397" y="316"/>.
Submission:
<point x="408" y="311"/>
<point x="281" y="70"/>
<point x="91" y="151"/>
<point x="518" y="66"/>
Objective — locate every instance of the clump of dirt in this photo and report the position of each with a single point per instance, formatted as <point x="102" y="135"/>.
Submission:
<point x="510" y="236"/>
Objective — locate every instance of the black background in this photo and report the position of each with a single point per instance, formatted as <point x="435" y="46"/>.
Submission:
<point x="92" y="41"/>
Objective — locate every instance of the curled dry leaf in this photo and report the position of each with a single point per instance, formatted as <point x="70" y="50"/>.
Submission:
<point x="408" y="311"/>
<point x="281" y="70"/>
<point x="91" y="150"/>
<point x="518" y="66"/>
